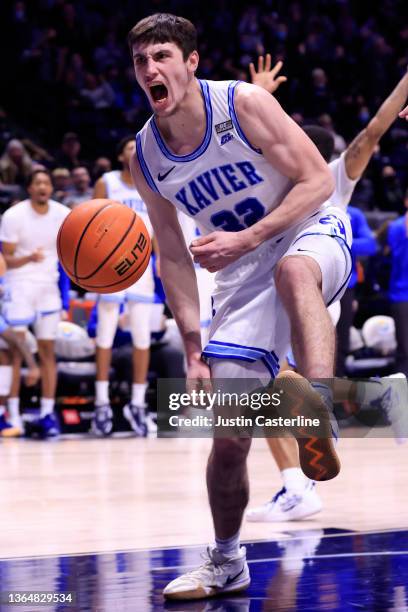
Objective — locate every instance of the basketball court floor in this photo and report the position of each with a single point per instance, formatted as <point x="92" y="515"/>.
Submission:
<point x="114" y="520"/>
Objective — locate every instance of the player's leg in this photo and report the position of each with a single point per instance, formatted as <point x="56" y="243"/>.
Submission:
<point x="135" y="411"/>
<point x="45" y="329"/>
<point x="226" y="569"/>
<point x="298" y="282"/>
<point x="108" y="317"/>
<point x="19" y="312"/>
<point x="7" y="429"/>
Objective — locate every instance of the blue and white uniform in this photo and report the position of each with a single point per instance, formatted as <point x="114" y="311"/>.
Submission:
<point x="227" y="184"/>
<point x="143" y="289"/>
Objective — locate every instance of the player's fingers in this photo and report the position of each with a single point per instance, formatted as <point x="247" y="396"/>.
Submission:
<point x="252" y="72"/>
<point x="268" y="62"/>
<point x="202" y="240"/>
<point x="260" y="63"/>
<point x="276" y="68"/>
<point x="281" y="79"/>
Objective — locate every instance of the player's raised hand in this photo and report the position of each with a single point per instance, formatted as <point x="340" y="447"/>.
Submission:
<point x="404" y="113"/>
<point x="266" y="77"/>
<point x="218" y="249"/>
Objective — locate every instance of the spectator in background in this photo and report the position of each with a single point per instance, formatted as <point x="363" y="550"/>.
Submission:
<point x="101" y="165"/>
<point x="61" y="180"/>
<point x="15" y="164"/>
<point x="397" y="239"/>
<point x="392" y="196"/>
<point x="339" y="143"/>
<point x="70" y="150"/>
<point x="97" y="92"/>
<point x="81" y="187"/>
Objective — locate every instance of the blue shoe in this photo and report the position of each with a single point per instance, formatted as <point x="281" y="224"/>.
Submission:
<point x="49" y="426"/>
<point x="392" y="401"/>
<point x="102" y="422"/>
<point x="136" y="415"/>
<point x="7" y="430"/>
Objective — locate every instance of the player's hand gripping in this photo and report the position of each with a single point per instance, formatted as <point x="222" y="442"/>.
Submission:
<point x="37" y="255"/>
<point x="198" y="374"/>
<point x="218" y="249"/>
<point x="266" y="77"/>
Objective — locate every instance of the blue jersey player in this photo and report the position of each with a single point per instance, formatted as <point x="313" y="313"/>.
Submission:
<point x="226" y="154"/>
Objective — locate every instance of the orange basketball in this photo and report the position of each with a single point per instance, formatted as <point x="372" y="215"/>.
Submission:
<point x="103" y="246"/>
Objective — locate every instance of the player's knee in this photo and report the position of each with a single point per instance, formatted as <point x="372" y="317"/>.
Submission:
<point x="108" y="314"/>
<point x="139" y="318"/>
<point x="230" y="452"/>
<point x="46" y="349"/>
<point x="294" y="274"/>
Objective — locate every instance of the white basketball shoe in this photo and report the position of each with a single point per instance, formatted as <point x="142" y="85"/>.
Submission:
<point x="219" y="574"/>
<point x="287" y="506"/>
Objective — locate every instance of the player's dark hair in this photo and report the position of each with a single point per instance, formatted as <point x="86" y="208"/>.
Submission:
<point x="164" y="27"/>
<point x="32" y="176"/>
<point x="322" y="138"/>
<point x="122" y="144"/>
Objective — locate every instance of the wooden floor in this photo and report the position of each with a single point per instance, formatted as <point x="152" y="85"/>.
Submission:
<point x="85" y="495"/>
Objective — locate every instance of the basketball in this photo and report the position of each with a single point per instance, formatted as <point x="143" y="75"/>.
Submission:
<point x="103" y="246"/>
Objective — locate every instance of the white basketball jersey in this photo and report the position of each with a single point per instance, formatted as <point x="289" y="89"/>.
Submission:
<point x="118" y="190"/>
<point x="225" y="184"/>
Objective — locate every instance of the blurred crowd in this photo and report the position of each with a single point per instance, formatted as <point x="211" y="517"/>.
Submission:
<point x="76" y="94"/>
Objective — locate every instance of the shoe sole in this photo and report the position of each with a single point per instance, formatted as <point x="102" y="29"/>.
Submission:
<point x="317" y="456"/>
<point x="284" y="519"/>
<point x="11" y="432"/>
<point x="200" y="593"/>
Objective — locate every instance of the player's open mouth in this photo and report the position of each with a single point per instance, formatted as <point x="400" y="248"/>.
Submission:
<point x="158" y="93"/>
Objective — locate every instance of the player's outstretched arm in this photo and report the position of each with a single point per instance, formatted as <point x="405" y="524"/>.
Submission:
<point x="291" y="152"/>
<point x="176" y="269"/>
<point x="267" y="77"/>
<point x="360" y="150"/>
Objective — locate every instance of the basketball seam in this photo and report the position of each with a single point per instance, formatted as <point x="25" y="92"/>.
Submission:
<point x="122" y="279"/>
<point x="82" y="236"/>
<point x="82" y="278"/>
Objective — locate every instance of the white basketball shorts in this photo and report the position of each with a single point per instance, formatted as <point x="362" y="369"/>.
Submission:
<point x="29" y="302"/>
<point x="141" y="291"/>
<point x="249" y="322"/>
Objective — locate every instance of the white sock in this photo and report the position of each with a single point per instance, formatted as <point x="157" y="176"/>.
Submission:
<point x="13" y="405"/>
<point x="47" y="406"/>
<point x="2" y="410"/>
<point x="138" y="394"/>
<point x="102" y="392"/>
<point x="229" y="547"/>
<point x="294" y="480"/>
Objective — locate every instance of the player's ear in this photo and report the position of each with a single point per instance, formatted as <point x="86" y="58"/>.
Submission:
<point x="192" y="61"/>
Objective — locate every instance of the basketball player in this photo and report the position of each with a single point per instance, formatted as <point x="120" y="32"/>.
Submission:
<point x="28" y="233"/>
<point x="9" y="340"/>
<point x="118" y="185"/>
<point x="298" y="498"/>
<point x="226" y="154"/>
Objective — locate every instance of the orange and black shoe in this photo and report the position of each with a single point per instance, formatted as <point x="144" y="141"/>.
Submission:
<point x="317" y="453"/>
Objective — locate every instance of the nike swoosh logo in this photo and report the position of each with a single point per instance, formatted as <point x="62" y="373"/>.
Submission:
<point x="232" y="578"/>
<point x="308" y="251"/>
<point x="161" y="177"/>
